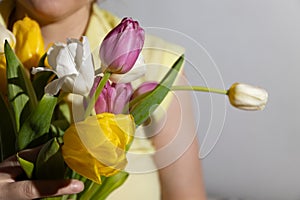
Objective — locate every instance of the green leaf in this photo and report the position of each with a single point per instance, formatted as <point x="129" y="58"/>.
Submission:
<point x="7" y="131"/>
<point x="50" y="162"/>
<point x="42" y="60"/>
<point x="40" y="81"/>
<point x="143" y="108"/>
<point x="59" y="127"/>
<point x="20" y="90"/>
<point x="65" y="112"/>
<point x="61" y="119"/>
<point x="38" y="123"/>
<point x="27" y="166"/>
<point x="108" y="185"/>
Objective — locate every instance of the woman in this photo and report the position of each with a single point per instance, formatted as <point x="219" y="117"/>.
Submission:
<point x="179" y="170"/>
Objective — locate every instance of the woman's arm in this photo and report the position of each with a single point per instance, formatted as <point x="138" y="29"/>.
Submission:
<point x="177" y="152"/>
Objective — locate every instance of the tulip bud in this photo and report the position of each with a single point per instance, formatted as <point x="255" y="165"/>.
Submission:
<point x="30" y="44"/>
<point x="143" y="88"/>
<point x="113" y="97"/>
<point x="247" y="97"/>
<point x="121" y="47"/>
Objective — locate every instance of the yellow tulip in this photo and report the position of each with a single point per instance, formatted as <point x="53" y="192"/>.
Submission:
<point x="96" y="146"/>
<point x="29" y="42"/>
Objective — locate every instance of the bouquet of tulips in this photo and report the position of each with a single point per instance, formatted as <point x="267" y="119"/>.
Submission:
<point x="83" y="123"/>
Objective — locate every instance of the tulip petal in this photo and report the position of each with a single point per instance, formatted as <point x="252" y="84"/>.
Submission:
<point x="101" y="105"/>
<point x="137" y="71"/>
<point x="73" y="64"/>
<point x="121" y="47"/>
<point x="110" y="97"/>
<point x="29" y="42"/>
<point x="86" y="72"/>
<point x="54" y="86"/>
<point x="5" y="34"/>
<point x="73" y="156"/>
<point x="124" y="92"/>
<point x="75" y="51"/>
<point x="247" y="97"/>
<point x="60" y="59"/>
<point x="143" y="88"/>
<point x="113" y="97"/>
<point x="96" y="147"/>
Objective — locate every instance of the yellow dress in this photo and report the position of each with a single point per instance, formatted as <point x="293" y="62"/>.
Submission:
<point x="143" y="182"/>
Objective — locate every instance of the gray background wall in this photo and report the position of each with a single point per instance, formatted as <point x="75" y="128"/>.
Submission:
<point x="255" y="41"/>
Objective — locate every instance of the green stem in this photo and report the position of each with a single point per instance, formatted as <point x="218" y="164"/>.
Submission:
<point x="199" y="88"/>
<point x="90" y="191"/>
<point x="98" y="91"/>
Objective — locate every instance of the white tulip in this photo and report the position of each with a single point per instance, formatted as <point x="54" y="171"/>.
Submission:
<point x="73" y="65"/>
<point x="5" y="34"/>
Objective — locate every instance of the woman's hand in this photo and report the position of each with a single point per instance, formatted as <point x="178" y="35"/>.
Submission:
<point x="13" y="188"/>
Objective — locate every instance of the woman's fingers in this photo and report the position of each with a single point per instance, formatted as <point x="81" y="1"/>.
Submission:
<point x="24" y="190"/>
<point x="10" y="168"/>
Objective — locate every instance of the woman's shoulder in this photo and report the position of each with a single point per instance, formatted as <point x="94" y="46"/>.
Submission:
<point x="160" y="50"/>
<point x="105" y="16"/>
<point x="100" y="23"/>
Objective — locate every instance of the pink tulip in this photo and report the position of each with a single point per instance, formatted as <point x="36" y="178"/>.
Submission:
<point x="113" y="97"/>
<point x="121" y="47"/>
<point x="143" y="88"/>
